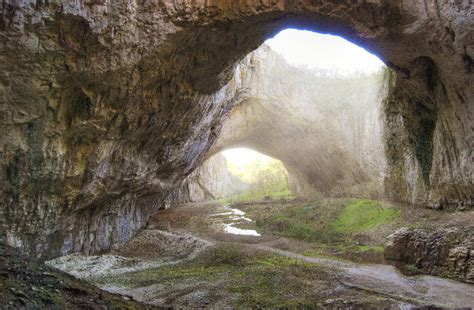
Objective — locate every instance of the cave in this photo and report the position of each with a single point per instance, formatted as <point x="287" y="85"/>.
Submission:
<point x="236" y="174"/>
<point x="107" y="107"/>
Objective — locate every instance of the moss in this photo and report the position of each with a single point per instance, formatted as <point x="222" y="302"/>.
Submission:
<point x="324" y="222"/>
<point x="277" y="282"/>
<point x="258" y="279"/>
<point x="389" y="76"/>
<point x="301" y="231"/>
<point x="412" y="269"/>
<point x="224" y="254"/>
<point x="370" y="248"/>
<point x="278" y="261"/>
<point x="423" y="146"/>
<point x="165" y="275"/>
<point x="362" y="215"/>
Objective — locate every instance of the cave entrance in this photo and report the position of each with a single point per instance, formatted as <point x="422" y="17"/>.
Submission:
<point x="314" y="101"/>
<point x="258" y="176"/>
<point x="238" y="175"/>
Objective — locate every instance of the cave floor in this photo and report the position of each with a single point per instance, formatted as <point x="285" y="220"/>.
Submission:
<point x="307" y="255"/>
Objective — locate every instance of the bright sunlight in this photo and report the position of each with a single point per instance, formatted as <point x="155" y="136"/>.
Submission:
<point x="322" y="51"/>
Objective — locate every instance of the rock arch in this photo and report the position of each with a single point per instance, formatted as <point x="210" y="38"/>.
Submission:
<point x="107" y="105"/>
<point x="328" y="131"/>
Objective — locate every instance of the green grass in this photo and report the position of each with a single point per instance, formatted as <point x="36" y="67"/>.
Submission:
<point x="344" y="228"/>
<point x="362" y="215"/>
<point x="255" y="278"/>
<point x="369" y="248"/>
<point x="276" y="282"/>
<point x="168" y="275"/>
<point x="260" y="195"/>
<point x="308" y="222"/>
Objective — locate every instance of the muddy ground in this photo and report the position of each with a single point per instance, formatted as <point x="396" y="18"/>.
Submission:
<point x="315" y="255"/>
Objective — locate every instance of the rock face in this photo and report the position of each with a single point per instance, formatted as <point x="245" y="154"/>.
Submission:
<point x="447" y="252"/>
<point x="210" y="181"/>
<point x="106" y="106"/>
<point x="327" y="130"/>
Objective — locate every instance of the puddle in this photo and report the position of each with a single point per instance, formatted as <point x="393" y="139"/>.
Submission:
<point x="236" y="216"/>
<point x="228" y="228"/>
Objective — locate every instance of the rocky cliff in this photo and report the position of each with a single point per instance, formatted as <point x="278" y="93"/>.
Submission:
<point x="447" y="252"/>
<point x="106" y="106"/>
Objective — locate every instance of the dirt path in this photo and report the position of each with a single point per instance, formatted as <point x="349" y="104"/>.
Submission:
<point x="386" y="280"/>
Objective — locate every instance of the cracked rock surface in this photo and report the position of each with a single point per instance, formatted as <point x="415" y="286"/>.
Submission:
<point x="447" y="252"/>
<point x="106" y="106"/>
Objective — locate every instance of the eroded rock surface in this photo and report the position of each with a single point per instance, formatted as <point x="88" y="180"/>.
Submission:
<point x="107" y="106"/>
<point x="211" y="180"/>
<point x="447" y="252"/>
<point x="26" y="283"/>
<point x="327" y="130"/>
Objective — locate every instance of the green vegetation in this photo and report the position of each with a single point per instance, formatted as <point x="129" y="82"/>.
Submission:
<point x="225" y="254"/>
<point x="254" y="278"/>
<point x="370" y="248"/>
<point x="362" y="215"/>
<point x="411" y="269"/>
<point x="334" y="227"/>
<point x="308" y="222"/>
<point x="279" y="284"/>
<point x="266" y="178"/>
<point x="262" y="171"/>
<point x="259" y="195"/>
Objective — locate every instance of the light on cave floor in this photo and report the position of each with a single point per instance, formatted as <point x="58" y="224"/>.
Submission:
<point x="324" y="52"/>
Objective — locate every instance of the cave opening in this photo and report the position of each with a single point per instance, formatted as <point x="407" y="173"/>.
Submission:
<point x="242" y="174"/>
<point x="110" y="106"/>
<point x="331" y="54"/>
<point x="313" y="101"/>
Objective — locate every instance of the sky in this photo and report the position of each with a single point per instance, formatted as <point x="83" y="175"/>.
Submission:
<point x="315" y="50"/>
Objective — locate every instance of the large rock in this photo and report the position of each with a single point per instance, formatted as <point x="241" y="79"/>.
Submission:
<point x="106" y="106"/>
<point x="447" y="252"/>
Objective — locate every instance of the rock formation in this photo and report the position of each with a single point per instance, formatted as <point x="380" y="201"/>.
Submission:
<point x="447" y="252"/>
<point x="29" y="284"/>
<point x="106" y="106"/>
<point x="211" y="180"/>
<point x="327" y="130"/>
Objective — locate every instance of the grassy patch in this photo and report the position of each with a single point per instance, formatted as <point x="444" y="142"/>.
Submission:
<point x="255" y="278"/>
<point x="411" y="270"/>
<point x="362" y="215"/>
<point x="260" y="195"/>
<point x="168" y="275"/>
<point x="276" y="281"/>
<point x="226" y="254"/>
<point x="209" y="265"/>
<point x="307" y="221"/>
<point x="345" y="228"/>
<point x="370" y="248"/>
